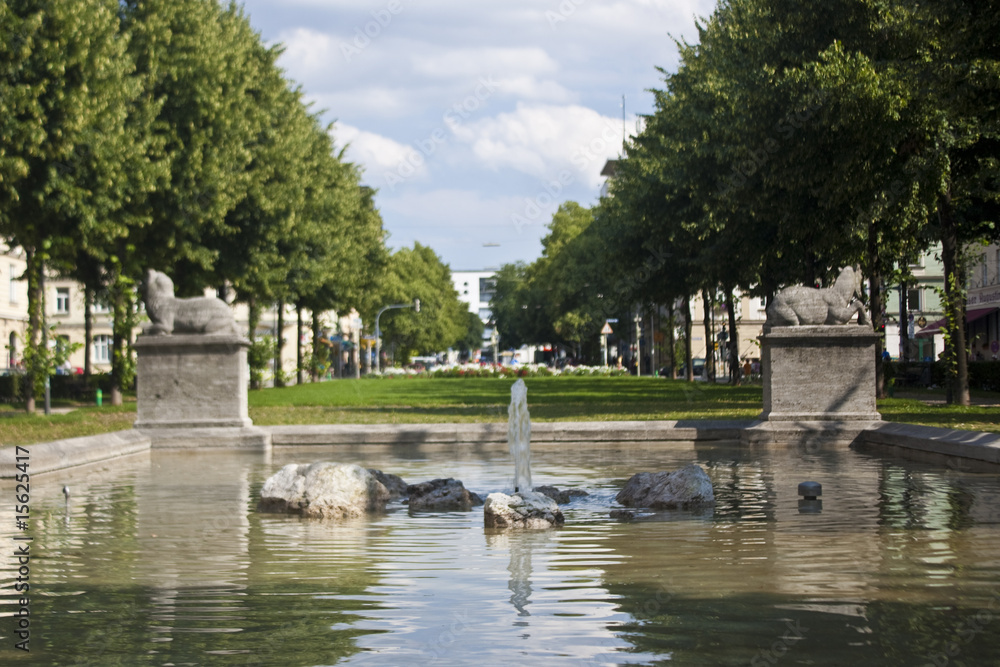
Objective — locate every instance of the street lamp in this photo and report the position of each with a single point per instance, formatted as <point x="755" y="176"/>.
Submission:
<point x="378" y="332"/>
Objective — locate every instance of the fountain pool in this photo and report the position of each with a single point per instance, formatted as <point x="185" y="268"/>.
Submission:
<point x="161" y="559"/>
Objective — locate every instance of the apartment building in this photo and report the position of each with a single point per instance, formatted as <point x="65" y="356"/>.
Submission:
<point x="983" y="305"/>
<point x="13" y="306"/>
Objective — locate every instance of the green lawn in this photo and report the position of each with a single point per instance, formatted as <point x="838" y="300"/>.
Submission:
<point x="422" y="400"/>
<point x="415" y="400"/>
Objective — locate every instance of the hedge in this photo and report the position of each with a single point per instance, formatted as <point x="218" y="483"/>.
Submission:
<point x="69" y="387"/>
<point x="983" y="375"/>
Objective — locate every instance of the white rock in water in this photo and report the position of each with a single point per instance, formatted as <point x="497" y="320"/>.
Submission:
<point x="325" y="490"/>
<point x="525" y="509"/>
<point x="686" y="488"/>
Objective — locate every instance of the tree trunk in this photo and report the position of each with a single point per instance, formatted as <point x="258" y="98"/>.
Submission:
<point x="253" y="321"/>
<point x="733" y="349"/>
<point x="316" y="338"/>
<point x="120" y="332"/>
<point x="904" y="322"/>
<point x="709" y="305"/>
<point x="35" y="339"/>
<point x="954" y="304"/>
<point x="875" y="303"/>
<point x="355" y="354"/>
<point x="672" y="343"/>
<point x="300" y="370"/>
<point x="88" y="330"/>
<point x="688" y="362"/>
<point x="279" y="346"/>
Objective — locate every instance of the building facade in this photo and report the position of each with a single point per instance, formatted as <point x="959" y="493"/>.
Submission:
<point x="64" y="314"/>
<point x="13" y="306"/>
<point x="983" y="305"/>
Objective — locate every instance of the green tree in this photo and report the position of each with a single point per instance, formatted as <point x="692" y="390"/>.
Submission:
<point x="200" y="62"/>
<point x="418" y="273"/>
<point x="69" y="161"/>
<point x="473" y="337"/>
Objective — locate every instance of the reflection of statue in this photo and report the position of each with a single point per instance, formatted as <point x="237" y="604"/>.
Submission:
<point x="795" y="306"/>
<point x="168" y="314"/>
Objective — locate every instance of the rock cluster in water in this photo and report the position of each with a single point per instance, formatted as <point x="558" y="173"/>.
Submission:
<point x="687" y="488"/>
<point x="441" y="495"/>
<point x="560" y="496"/>
<point x="341" y="490"/>
<point x="338" y="490"/>
<point x="525" y="509"/>
<point x="393" y="483"/>
<point x="324" y="490"/>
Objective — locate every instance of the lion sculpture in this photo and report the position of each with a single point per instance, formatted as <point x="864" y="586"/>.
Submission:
<point x="799" y="305"/>
<point x="170" y="315"/>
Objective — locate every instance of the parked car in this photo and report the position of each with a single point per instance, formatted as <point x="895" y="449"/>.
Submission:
<point x="699" y="370"/>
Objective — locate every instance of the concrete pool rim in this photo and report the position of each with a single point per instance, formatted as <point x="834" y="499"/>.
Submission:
<point x="965" y="451"/>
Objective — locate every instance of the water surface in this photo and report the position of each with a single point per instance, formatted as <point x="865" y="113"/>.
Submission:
<point x="162" y="559"/>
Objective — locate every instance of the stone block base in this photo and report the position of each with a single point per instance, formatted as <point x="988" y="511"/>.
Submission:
<point x="819" y="373"/>
<point x="807" y="436"/>
<point x="250" y="437"/>
<point x="192" y="382"/>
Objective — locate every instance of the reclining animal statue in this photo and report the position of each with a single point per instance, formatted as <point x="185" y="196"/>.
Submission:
<point x="170" y="315"/>
<point x="800" y="305"/>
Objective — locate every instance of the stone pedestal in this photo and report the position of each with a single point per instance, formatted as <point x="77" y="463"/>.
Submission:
<point x="819" y="386"/>
<point x="192" y="391"/>
<point x="819" y="373"/>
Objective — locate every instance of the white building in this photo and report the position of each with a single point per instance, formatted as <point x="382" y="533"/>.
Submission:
<point x="476" y="289"/>
<point x="13" y="305"/>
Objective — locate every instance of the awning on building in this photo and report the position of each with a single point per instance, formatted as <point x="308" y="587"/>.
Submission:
<point x="938" y="326"/>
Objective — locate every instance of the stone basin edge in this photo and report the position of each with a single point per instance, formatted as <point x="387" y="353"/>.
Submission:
<point x="965" y="451"/>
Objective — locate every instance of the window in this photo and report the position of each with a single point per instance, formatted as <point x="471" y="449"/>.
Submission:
<point x="101" y="306"/>
<point x="487" y="286"/>
<point x="485" y="315"/>
<point x="986" y="272"/>
<point x="914" y="298"/>
<point x="62" y="301"/>
<point x="12" y="351"/>
<point x="13" y="284"/>
<point x="102" y="349"/>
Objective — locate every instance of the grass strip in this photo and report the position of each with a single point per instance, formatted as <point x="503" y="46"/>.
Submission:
<point x="406" y="400"/>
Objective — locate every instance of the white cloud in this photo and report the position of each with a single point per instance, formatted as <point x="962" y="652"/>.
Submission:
<point x="545" y="141"/>
<point x="307" y="51"/>
<point x="384" y="159"/>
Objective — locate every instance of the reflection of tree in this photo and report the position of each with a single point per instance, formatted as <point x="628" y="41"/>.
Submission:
<point x="176" y="566"/>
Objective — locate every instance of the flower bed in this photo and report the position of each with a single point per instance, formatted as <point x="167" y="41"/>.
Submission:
<point x="498" y="371"/>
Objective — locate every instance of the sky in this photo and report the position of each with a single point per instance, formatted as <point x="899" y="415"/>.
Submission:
<point x="475" y="120"/>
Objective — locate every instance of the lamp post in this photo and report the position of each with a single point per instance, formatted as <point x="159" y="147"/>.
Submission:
<point x="378" y="332"/>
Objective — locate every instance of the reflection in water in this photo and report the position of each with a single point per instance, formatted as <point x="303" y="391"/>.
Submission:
<point x="163" y="559"/>
<point x="521" y="545"/>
